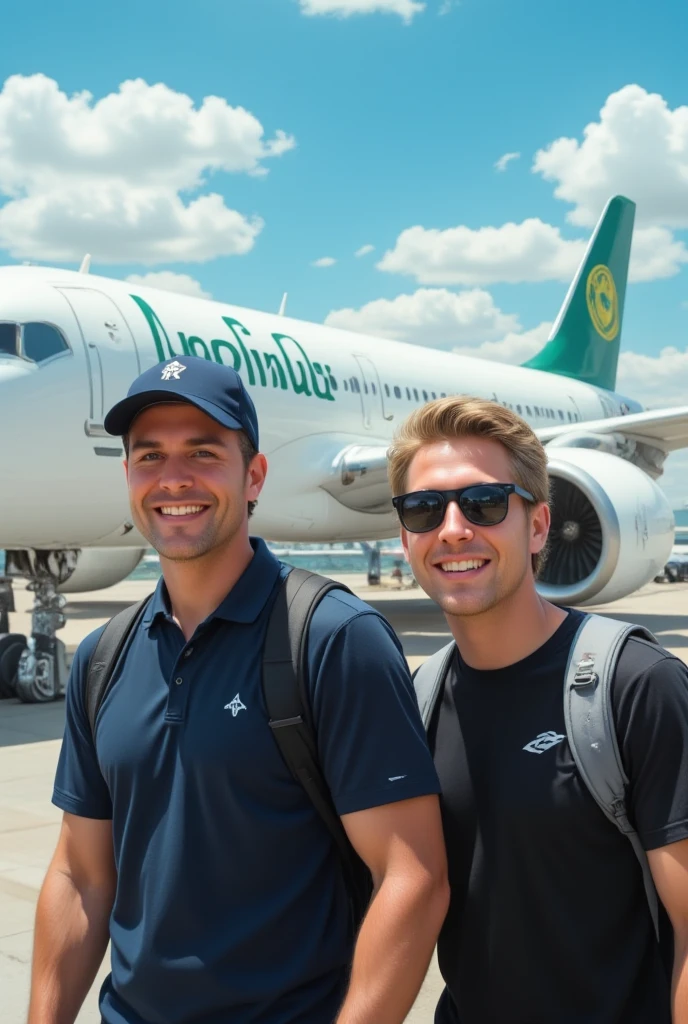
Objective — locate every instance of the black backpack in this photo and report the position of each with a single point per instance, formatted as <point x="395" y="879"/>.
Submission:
<point x="286" y="699"/>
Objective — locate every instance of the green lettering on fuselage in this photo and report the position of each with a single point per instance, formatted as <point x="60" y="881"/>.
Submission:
<point x="288" y="369"/>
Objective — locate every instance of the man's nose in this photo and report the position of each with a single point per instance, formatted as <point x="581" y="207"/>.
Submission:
<point x="176" y="475"/>
<point x="455" y="526"/>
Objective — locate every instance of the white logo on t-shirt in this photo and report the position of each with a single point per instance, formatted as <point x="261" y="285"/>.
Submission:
<point x="235" y="706"/>
<point x="544" y="741"/>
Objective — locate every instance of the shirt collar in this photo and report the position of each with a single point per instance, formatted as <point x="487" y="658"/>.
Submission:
<point x="244" y="602"/>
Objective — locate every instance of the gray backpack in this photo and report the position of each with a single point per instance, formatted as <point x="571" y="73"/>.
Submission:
<point x="589" y="720"/>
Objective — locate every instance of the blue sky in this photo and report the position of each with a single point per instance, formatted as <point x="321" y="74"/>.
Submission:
<point x="391" y="122"/>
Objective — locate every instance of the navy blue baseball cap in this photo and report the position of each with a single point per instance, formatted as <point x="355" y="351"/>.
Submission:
<point x="213" y="388"/>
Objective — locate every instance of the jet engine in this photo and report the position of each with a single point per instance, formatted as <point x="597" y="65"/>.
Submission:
<point x="97" y="568"/>
<point x="612" y="528"/>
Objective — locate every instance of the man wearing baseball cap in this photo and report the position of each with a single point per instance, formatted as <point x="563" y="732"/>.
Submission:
<point x="186" y="841"/>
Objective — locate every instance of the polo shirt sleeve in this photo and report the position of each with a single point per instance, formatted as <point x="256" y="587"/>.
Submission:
<point x="651" y="698"/>
<point x="371" y="740"/>
<point x="79" y="784"/>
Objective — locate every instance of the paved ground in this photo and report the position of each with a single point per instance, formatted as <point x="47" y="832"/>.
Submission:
<point x="30" y="741"/>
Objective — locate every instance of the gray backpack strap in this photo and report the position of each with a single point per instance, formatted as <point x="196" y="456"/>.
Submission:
<point x="429" y="678"/>
<point x="591" y="730"/>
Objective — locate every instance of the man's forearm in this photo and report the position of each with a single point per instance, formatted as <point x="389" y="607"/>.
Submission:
<point x="393" y="951"/>
<point x="70" y="940"/>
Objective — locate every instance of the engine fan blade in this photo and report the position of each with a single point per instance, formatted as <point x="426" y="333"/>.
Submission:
<point x="575" y="539"/>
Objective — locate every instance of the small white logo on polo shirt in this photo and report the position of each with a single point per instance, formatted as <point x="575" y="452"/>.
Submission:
<point x="173" y="370"/>
<point x="235" y="706"/>
<point x="544" y="742"/>
<point x="395" y="778"/>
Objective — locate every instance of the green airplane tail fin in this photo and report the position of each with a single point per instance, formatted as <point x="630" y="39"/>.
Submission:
<point x="586" y="336"/>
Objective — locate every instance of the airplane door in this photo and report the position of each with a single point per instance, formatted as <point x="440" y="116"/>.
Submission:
<point x="111" y="353"/>
<point x="372" y="395"/>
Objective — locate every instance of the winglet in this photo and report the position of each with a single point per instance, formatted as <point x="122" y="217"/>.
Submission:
<point x="283" y="305"/>
<point x="85" y="264"/>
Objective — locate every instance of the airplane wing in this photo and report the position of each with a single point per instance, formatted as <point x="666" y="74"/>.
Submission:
<point x="664" y="428"/>
<point x="359" y="472"/>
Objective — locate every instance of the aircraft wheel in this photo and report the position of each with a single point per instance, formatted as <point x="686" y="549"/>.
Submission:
<point x="11" y="647"/>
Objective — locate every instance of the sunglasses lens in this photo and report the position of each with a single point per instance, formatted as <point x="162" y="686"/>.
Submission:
<point x="422" y="511"/>
<point x="484" y="505"/>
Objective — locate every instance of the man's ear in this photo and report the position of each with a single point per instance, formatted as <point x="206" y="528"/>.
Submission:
<point x="256" y="474"/>
<point x="540" y="522"/>
<point x="403" y="536"/>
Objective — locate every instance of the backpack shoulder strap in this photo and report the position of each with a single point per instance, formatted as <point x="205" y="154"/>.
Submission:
<point x="105" y="656"/>
<point x="297" y="598"/>
<point x="428" y="680"/>
<point x="289" y="712"/>
<point x="591" y="730"/>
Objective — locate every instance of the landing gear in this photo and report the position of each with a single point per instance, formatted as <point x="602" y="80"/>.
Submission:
<point x="11" y="644"/>
<point x="40" y="671"/>
<point x="6" y="603"/>
<point x="373" y="553"/>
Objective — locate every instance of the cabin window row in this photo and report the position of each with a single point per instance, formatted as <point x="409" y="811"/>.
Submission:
<point x="417" y="394"/>
<point x="412" y="394"/>
<point x="550" y="414"/>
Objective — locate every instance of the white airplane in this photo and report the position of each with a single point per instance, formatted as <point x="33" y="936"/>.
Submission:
<point x="328" y="403"/>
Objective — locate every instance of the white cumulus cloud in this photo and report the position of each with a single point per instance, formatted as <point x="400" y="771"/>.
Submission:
<point x="529" y="251"/>
<point x="168" y="281"/>
<point x="406" y="9"/>
<point x="516" y="253"/>
<point x="659" y="382"/>
<point x="504" y="161"/>
<point x="364" y="250"/>
<point x="515" y="347"/>
<point x="113" y="176"/>
<point x="655" y="380"/>
<point x="638" y="147"/>
<point x="655" y="253"/>
<point x="324" y="261"/>
<point x="430" y="316"/>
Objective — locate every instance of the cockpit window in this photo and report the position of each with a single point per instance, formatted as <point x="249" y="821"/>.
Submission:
<point x="41" y="341"/>
<point x="8" y="340"/>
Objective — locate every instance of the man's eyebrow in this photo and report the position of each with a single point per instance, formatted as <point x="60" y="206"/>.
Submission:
<point x="190" y="442"/>
<point x="206" y="439"/>
<point x="142" y="443"/>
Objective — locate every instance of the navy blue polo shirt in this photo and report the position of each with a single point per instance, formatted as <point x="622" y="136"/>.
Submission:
<point x="230" y="906"/>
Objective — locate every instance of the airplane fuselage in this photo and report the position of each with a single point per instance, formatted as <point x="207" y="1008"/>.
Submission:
<point x="317" y="389"/>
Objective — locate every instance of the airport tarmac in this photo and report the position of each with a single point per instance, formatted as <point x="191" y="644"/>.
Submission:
<point x="30" y="737"/>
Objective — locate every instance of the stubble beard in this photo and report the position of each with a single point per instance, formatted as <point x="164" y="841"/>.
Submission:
<point x="214" y="536"/>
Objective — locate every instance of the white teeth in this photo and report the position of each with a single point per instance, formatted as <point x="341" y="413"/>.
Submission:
<point x="180" y="510"/>
<point x="473" y="563"/>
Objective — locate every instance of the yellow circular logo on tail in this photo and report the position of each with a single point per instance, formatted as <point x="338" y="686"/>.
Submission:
<point x="603" y="304"/>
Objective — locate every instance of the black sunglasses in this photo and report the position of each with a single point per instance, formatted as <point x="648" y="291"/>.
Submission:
<point x="481" y="504"/>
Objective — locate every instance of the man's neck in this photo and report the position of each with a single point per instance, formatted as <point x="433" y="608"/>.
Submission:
<point x="196" y="587"/>
<point x="508" y="632"/>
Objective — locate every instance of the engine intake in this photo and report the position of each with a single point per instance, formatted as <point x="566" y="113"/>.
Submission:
<point x="612" y="528"/>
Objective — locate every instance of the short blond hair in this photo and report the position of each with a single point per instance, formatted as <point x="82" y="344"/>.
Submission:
<point x="463" y="416"/>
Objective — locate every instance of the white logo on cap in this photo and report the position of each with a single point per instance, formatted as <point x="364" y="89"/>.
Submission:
<point x="173" y="370"/>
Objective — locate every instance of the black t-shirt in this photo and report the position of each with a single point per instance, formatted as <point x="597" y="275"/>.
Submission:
<point x="548" y="922"/>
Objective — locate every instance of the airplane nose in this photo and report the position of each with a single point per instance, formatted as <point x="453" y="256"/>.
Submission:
<point x="13" y="369"/>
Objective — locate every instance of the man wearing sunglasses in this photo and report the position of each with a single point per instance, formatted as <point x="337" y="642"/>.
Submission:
<point x="548" y="921"/>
